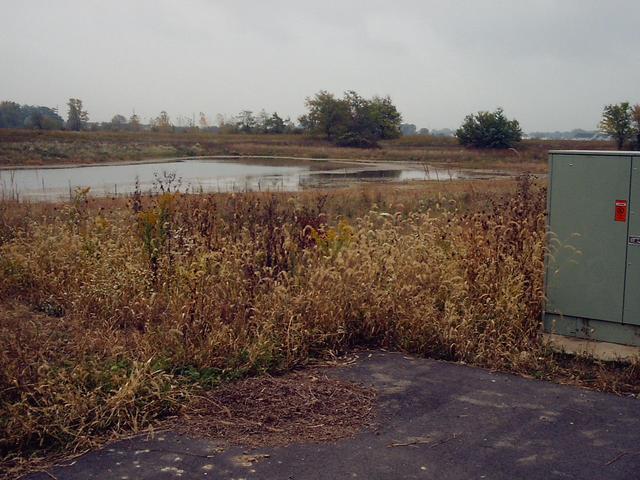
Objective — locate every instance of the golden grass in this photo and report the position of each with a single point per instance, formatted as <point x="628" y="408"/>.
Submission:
<point x="113" y="314"/>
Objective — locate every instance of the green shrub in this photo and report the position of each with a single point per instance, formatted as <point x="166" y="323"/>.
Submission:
<point x="489" y="130"/>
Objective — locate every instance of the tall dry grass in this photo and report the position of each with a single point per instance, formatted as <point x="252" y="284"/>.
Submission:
<point x="112" y="315"/>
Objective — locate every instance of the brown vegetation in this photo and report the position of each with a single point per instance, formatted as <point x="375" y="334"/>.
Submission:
<point x="113" y="315"/>
<point x="25" y="147"/>
<point x="271" y="411"/>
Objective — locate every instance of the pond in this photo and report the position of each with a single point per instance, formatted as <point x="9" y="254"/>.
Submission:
<point x="207" y="174"/>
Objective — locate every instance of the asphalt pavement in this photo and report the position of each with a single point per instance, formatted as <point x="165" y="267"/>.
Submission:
<point x="436" y="420"/>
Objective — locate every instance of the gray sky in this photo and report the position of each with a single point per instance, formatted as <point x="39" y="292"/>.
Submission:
<point x="552" y="64"/>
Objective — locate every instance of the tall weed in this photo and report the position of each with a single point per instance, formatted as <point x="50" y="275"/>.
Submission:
<point x="112" y="317"/>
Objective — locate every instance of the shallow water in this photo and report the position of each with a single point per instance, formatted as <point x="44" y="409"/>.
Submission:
<point x="205" y="175"/>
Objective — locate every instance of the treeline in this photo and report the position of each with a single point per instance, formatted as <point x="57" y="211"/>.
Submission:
<point x="263" y="122"/>
<point x="575" y="134"/>
<point x="351" y="121"/>
<point x="14" y="115"/>
<point x="409" y="129"/>
<point x="620" y="122"/>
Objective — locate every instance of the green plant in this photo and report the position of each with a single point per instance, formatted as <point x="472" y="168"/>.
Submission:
<point x="635" y="113"/>
<point x="489" y="130"/>
<point x="617" y="122"/>
<point x="352" y="121"/>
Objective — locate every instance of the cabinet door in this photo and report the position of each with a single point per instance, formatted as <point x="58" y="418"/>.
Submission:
<point x="587" y="260"/>
<point x="632" y="288"/>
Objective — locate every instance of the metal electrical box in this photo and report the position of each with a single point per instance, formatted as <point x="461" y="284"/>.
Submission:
<point x="592" y="277"/>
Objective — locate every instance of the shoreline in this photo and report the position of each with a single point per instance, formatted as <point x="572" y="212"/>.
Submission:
<point x="403" y="164"/>
<point x="349" y="161"/>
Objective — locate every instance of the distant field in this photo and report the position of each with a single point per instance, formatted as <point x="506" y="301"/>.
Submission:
<point x="27" y="147"/>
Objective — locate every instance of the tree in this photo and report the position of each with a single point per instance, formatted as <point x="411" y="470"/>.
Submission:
<point x="41" y="118"/>
<point x="50" y="119"/>
<point x="635" y="113"/>
<point x="134" y="123"/>
<point x="261" y="122"/>
<point x="77" y="118"/>
<point x="14" y="115"/>
<point x="290" y="127"/>
<point x="118" y="122"/>
<point x="204" y="123"/>
<point x="10" y="115"/>
<point x="408" y="129"/>
<point x="489" y="130"/>
<point x="162" y="123"/>
<point x="275" y="124"/>
<point x="226" y="125"/>
<point x="362" y="131"/>
<point x="326" y="115"/>
<point x="617" y="122"/>
<point x="190" y="124"/>
<point x="246" y="121"/>
<point x="385" y="118"/>
<point x="351" y="121"/>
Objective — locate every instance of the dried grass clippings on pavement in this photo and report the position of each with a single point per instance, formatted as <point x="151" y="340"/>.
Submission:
<point x="294" y="408"/>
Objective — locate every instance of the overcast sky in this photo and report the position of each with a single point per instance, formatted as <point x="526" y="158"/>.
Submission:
<point x="552" y="64"/>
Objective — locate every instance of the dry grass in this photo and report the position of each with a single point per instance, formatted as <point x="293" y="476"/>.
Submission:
<point x="298" y="407"/>
<point x="113" y="315"/>
<point x="24" y="147"/>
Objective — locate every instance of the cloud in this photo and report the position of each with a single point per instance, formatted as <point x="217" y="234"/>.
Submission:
<point x="551" y="64"/>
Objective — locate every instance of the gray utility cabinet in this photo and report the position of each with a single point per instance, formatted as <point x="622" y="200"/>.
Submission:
<point x="593" y="267"/>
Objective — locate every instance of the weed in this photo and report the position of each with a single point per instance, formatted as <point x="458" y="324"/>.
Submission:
<point x="112" y="317"/>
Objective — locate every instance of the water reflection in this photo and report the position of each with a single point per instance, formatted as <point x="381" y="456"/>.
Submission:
<point x="205" y="175"/>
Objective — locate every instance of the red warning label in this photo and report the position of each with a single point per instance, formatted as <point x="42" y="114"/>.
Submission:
<point x="621" y="210"/>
